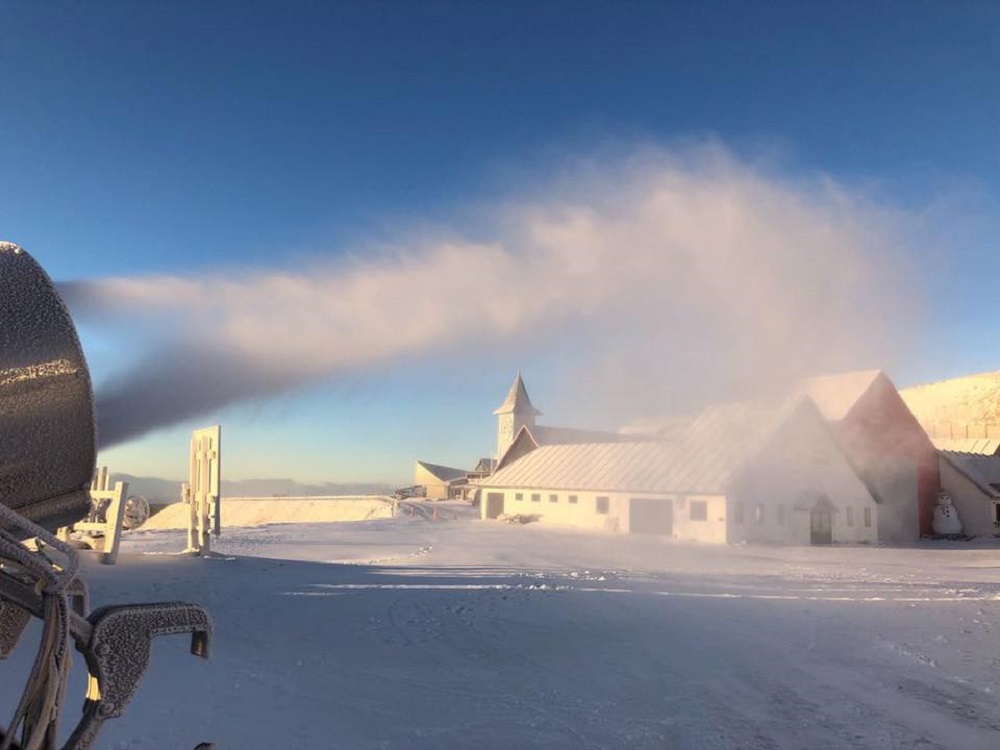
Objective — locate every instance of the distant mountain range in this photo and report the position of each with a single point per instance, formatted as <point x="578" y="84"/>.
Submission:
<point x="159" y="491"/>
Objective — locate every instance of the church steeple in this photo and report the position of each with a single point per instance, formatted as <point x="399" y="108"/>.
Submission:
<point x="515" y="412"/>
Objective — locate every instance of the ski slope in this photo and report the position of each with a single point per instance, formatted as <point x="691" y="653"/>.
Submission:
<point x="455" y="633"/>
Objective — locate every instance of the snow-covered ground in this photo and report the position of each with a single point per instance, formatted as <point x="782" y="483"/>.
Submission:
<point x="456" y="633"/>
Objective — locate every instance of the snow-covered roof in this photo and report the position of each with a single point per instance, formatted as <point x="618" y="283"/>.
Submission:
<point x="443" y="473"/>
<point x="836" y="395"/>
<point x="719" y="442"/>
<point x="973" y="446"/>
<point x="517" y="400"/>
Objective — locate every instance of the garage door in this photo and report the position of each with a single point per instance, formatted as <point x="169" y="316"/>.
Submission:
<point x="651" y="515"/>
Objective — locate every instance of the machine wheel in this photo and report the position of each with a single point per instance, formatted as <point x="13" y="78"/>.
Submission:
<point x="136" y="512"/>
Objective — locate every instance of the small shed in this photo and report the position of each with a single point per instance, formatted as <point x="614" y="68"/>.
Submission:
<point x="973" y="483"/>
<point x="437" y="479"/>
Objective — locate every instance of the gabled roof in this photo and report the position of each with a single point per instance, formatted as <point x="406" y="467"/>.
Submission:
<point x="718" y="444"/>
<point x="836" y="395"/>
<point x="443" y="473"/>
<point x="486" y="465"/>
<point x="517" y="400"/>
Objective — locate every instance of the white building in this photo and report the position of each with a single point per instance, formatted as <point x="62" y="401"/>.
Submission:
<point x="739" y="472"/>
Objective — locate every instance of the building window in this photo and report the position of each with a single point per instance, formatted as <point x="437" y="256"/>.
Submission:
<point x="572" y="499"/>
<point x="850" y="516"/>
<point x="781" y="515"/>
<point x="758" y="514"/>
<point x="553" y="498"/>
<point x="519" y="496"/>
<point x="698" y="510"/>
<point x="868" y="518"/>
<point x="737" y="512"/>
<point x="536" y="498"/>
<point x="602" y="505"/>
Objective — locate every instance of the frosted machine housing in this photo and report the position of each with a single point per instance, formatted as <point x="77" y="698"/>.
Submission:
<point x="47" y="441"/>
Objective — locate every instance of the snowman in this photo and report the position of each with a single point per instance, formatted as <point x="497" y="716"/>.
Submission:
<point x="946" y="521"/>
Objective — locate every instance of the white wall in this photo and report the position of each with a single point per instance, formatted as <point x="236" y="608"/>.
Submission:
<point x="975" y="508"/>
<point x="801" y="462"/>
<point x="581" y="514"/>
<point x="711" y="529"/>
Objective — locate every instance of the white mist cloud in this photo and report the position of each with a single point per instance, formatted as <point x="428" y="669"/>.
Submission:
<point x="685" y="272"/>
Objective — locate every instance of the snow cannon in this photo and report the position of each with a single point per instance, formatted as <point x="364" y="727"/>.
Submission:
<point x="47" y="458"/>
<point x="47" y="444"/>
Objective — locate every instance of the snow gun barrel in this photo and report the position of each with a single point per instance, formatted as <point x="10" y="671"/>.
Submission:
<point x="47" y="441"/>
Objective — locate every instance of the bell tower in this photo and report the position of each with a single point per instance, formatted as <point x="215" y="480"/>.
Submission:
<point x="515" y="412"/>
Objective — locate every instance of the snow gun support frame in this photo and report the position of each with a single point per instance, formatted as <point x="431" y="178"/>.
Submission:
<point x="47" y="456"/>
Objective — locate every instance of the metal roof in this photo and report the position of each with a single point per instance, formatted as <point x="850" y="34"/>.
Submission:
<point x="443" y="473"/>
<point x="719" y="442"/>
<point x="973" y="446"/>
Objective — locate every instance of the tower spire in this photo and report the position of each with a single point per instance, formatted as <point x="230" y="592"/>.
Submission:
<point x="517" y="400"/>
<point x="514" y="413"/>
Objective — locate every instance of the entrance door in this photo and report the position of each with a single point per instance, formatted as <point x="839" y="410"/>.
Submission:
<point x="651" y="516"/>
<point x="494" y="505"/>
<point x="821" y="522"/>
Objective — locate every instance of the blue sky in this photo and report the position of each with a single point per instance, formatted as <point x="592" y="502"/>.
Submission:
<point x="142" y="138"/>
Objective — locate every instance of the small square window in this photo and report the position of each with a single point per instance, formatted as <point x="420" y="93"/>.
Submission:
<point x="868" y="518"/>
<point x="602" y="505"/>
<point x="572" y="499"/>
<point x="698" y="510"/>
<point x="553" y="498"/>
<point x="519" y="496"/>
<point x="535" y="498"/>
<point x="850" y="516"/>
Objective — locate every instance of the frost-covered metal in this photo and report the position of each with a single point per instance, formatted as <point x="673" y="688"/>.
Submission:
<point x="47" y="445"/>
<point x="47" y="451"/>
<point x="204" y="490"/>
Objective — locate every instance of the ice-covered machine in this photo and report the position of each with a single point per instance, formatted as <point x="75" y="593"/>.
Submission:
<point x="47" y="457"/>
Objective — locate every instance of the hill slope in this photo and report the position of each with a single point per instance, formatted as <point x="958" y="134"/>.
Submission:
<point x="969" y="400"/>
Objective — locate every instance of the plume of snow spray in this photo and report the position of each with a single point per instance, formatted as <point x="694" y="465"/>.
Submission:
<point x="679" y="268"/>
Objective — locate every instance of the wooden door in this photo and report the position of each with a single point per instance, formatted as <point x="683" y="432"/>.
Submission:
<point x="821" y="522"/>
